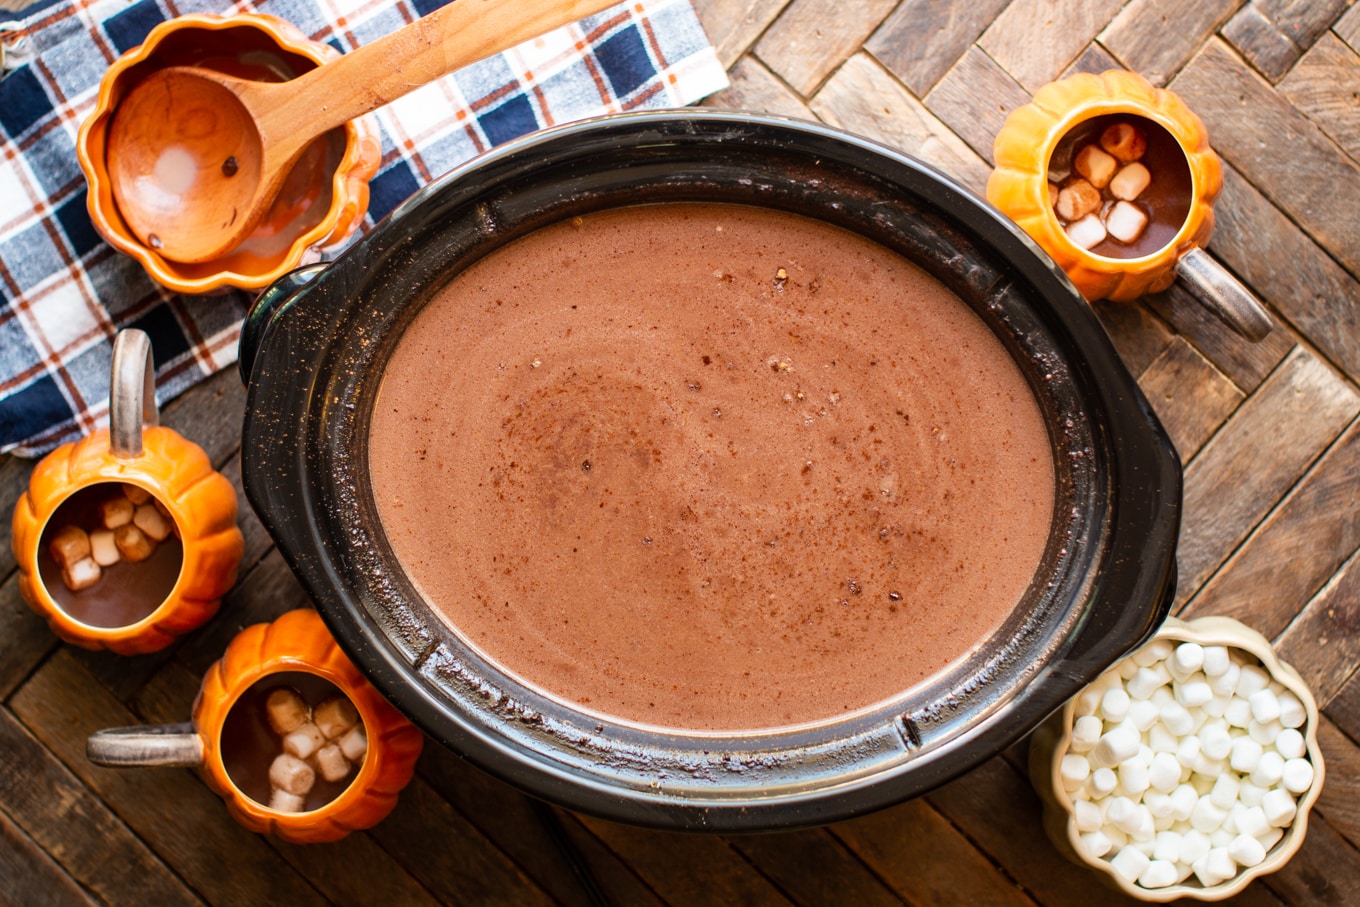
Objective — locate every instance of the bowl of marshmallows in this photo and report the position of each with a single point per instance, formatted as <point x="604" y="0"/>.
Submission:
<point x="1187" y="769"/>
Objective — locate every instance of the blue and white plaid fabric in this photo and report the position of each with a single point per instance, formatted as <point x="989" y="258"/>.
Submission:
<point x="64" y="293"/>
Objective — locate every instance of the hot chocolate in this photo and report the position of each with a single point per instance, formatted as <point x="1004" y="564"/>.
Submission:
<point x="710" y="467"/>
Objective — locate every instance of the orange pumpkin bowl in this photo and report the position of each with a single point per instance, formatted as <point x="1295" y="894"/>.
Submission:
<point x="323" y="199"/>
<point x="1019" y="184"/>
<point x="200" y="500"/>
<point x="299" y="641"/>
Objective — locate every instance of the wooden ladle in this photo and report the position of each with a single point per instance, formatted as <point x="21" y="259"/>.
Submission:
<point x="196" y="157"/>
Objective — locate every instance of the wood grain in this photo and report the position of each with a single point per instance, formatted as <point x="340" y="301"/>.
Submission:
<point x="1296" y="550"/>
<point x="753" y="87"/>
<point x="922" y="38"/>
<point x="813" y="37"/>
<point x="1094" y="59"/>
<point x="1324" y="872"/>
<point x="1325" y="86"/>
<point x="1155" y="37"/>
<point x="31" y="878"/>
<point x="864" y="98"/>
<point x="25" y="639"/>
<point x="822" y="871"/>
<point x="1260" y="42"/>
<point x="1340" y="798"/>
<point x="734" y="25"/>
<point x="1190" y="396"/>
<point x="1344" y="709"/>
<point x="1258" y="455"/>
<point x="1323" y="643"/>
<point x="974" y="99"/>
<point x="1347" y="28"/>
<point x="71" y="823"/>
<point x="1034" y="40"/>
<point x="1138" y="335"/>
<point x="1279" y="149"/>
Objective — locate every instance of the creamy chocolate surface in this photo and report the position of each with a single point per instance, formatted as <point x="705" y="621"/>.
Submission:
<point x="710" y="467"/>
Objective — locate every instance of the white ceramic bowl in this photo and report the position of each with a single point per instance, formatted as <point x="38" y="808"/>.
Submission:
<point x="1051" y="741"/>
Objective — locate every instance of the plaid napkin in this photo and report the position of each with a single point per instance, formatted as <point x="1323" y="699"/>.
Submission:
<point x="64" y="292"/>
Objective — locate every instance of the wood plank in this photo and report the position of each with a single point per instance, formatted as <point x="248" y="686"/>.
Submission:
<point x="1260" y="42"/>
<point x="974" y="99"/>
<point x="1190" y="396"/>
<point x="1251" y="125"/>
<point x="1324" y="85"/>
<point x="1344" y="709"/>
<point x="511" y="820"/>
<point x="29" y="877"/>
<point x="734" y="25"/>
<point x="352" y="871"/>
<point x="1340" y="798"/>
<point x="920" y="41"/>
<point x="1325" y="872"/>
<point x="1155" y="37"/>
<point x="813" y="37"/>
<point x="71" y="823"/>
<point x="1138" y="335"/>
<point x="863" y="97"/>
<point x="1034" y="40"/>
<point x="1296" y="550"/>
<point x="1246" y="364"/>
<point x="169" y="809"/>
<point x="753" y="87"/>
<point x="814" y="868"/>
<point x="1303" y="20"/>
<point x="1323" y="644"/>
<point x="1094" y="59"/>
<point x="926" y="860"/>
<point x="686" y="869"/>
<point x="1262" y="450"/>
<point x="14" y="473"/>
<point x="25" y="638"/>
<point x="1347" y="28"/>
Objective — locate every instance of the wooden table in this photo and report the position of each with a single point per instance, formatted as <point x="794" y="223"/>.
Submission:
<point x="1269" y="435"/>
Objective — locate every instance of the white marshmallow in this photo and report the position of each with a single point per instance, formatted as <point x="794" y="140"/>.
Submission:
<point x="1216" y="661"/>
<point x="1246" y="851"/>
<point x="1126" y="221"/>
<point x="1177" y="720"/>
<point x="1269" y="770"/>
<point x="1188" y="751"/>
<point x="1251" y="820"/>
<point x="1238" y="713"/>
<point x="1264" y="734"/>
<point x="1193" y="693"/>
<point x="1290" y="743"/>
<point x="1123" y="814"/>
<point x="1249" y="794"/>
<point x="1085" y="732"/>
<point x="1130" y="863"/>
<point x="1270" y="838"/>
<point x="1221" y="837"/>
<point x="1103" y="782"/>
<point x="1214" y="740"/>
<point x="1183" y="800"/>
<point x="1167" y="846"/>
<point x="1165" y="772"/>
<point x="1114" y="705"/>
<point x="1096" y="844"/>
<point x="1160" y="740"/>
<point x="1253" y="679"/>
<point x="1087" y="233"/>
<point x="1292" y="713"/>
<point x="1224" y="794"/>
<point x="1159" y="804"/>
<point x="1144" y="683"/>
<point x="1215" y="867"/>
<point x="1087" y="816"/>
<point x="1144" y="714"/>
<point x="1215" y="707"/>
<point x="1074" y="769"/>
<point x="1226" y="683"/>
<point x="1126" y="669"/>
<point x="1207" y="817"/>
<point x="1246" y="755"/>
<point x="1189" y="656"/>
<point x="1088" y="701"/>
<point x="1114" y="746"/>
<point x="1194" y="844"/>
<point x="1134" y="778"/>
<point x="1297" y="775"/>
<point x="1265" y="707"/>
<point x="1159" y="873"/>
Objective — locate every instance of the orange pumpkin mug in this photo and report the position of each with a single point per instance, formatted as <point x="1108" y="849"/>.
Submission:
<point x="127" y="538"/>
<point x="288" y="732"/>
<point x="1116" y="181"/>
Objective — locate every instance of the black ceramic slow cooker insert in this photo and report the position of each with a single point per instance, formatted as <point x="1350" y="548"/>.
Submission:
<point x="315" y="347"/>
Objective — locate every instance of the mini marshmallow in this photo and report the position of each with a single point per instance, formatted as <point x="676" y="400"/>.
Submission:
<point x="1189" y="656"/>
<point x="354" y="744"/>
<point x="1103" y="782"/>
<point x="1216" y="661"/>
<point x="1290" y="743"/>
<point x="1165" y="772"/>
<point x="1221" y="837"/>
<point x="1087" y="232"/>
<point x="1292" y="713"/>
<point x="1146" y="831"/>
<point x="1177" y="720"/>
<point x="1206" y="817"/>
<point x="1130" y="863"/>
<point x="132" y="543"/>
<point x="1215" y="867"/>
<point x="1188" y="751"/>
<point x="1252" y="821"/>
<point x="116" y="512"/>
<point x="1246" y="755"/>
<point x="1097" y="166"/>
<point x="1193" y="693"/>
<point x="69" y="545"/>
<point x="1126" y="669"/>
<point x="1134" y="778"/>
<point x="103" y="549"/>
<point x="150" y="520"/>
<point x="1160" y="740"/>
<point x="1087" y="815"/>
<point x="1077" y="199"/>
<point x="334" y="716"/>
<point x="1265" y="707"/>
<point x="1130" y="182"/>
<point x="1160" y="805"/>
<point x="1115" y="746"/>
<point x="1142" y="684"/>
<point x="1215" y="707"/>
<point x="285" y="710"/>
<point x="1183" y="800"/>
<point x="1143" y="714"/>
<point x="136" y="494"/>
<point x="1114" y="705"/>
<point x="83" y="574"/>
<point x="1253" y="679"/>
<point x="1249" y="794"/>
<point x="1269" y="770"/>
<point x="303" y="741"/>
<point x="1074" y="769"/>
<point x="1297" y="775"/>
<point x="1224" y="794"/>
<point x="291" y="774"/>
<point x="1225" y="684"/>
<point x="1086" y="730"/>
<point x="1096" y="843"/>
<point x="1122" y="813"/>
<point x="1246" y="851"/>
<point x="1125" y="141"/>
<point x="1167" y="847"/>
<point x="284" y="802"/>
<point x="1238" y="713"/>
<point x="1159" y="874"/>
<point x="1270" y="838"/>
<point x="1264" y="733"/>
<point x="1126" y="223"/>
<point x="1194" y="844"/>
<point x="1088" y="701"/>
<point x="1214" y="740"/>
<point x="331" y="763"/>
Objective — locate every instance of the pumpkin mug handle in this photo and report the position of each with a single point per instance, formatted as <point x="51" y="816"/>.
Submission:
<point x="132" y="395"/>
<point x="1223" y="295"/>
<point x="157" y="744"/>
